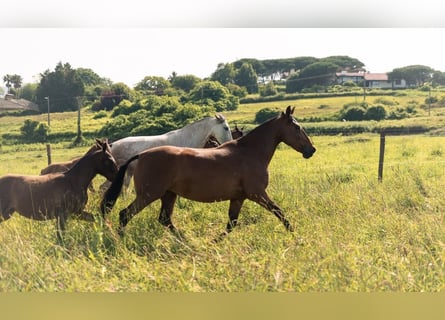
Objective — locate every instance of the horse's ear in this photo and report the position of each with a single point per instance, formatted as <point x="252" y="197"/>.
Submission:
<point x="289" y="111"/>
<point x="220" y="117"/>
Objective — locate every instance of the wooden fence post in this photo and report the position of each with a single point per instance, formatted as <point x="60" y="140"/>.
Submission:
<point x="382" y="155"/>
<point x="48" y="152"/>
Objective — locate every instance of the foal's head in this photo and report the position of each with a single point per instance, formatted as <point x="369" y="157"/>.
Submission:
<point x="294" y="135"/>
<point x="104" y="161"/>
<point x="221" y="129"/>
<point x="237" y="132"/>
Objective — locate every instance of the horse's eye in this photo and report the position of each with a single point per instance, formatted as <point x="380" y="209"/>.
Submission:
<point x="226" y="128"/>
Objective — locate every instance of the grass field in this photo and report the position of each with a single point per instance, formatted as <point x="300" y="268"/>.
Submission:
<point x="353" y="233"/>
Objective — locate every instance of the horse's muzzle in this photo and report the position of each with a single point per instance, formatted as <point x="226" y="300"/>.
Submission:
<point x="308" y="152"/>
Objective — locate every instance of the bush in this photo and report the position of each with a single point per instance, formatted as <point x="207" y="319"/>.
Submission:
<point x="268" y="90"/>
<point x="33" y="131"/>
<point x="100" y="114"/>
<point x="265" y="114"/>
<point x="377" y="113"/>
<point x="355" y="113"/>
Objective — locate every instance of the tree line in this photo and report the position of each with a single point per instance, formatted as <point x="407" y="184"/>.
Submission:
<point x="68" y="89"/>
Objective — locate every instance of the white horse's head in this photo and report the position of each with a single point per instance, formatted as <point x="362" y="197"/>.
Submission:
<point x="221" y="130"/>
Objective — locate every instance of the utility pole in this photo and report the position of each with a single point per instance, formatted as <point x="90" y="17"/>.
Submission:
<point x="48" y="145"/>
<point x="47" y="99"/>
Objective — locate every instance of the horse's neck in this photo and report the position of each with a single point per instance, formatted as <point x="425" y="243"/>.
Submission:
<point x="193" y="136"/>
<point x="263" y="141"/>
<point x="82" y="172"/>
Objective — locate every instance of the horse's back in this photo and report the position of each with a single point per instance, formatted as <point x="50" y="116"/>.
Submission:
<point x="38" y="197"/>
<point x="57" y="167"/>
<point x="127" y="147"/>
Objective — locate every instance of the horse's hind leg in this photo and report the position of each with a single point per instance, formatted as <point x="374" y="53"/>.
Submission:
<point x="6" y="210"/>
<point x="128" y="176"/>
<point x="129" y="212"/>
<point x="6" y="213"/>
<point x="167" y="204"/>
<point x="264" y="200"/>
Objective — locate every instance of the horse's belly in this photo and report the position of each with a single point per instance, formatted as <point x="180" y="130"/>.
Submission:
<point x="208" y="191"/>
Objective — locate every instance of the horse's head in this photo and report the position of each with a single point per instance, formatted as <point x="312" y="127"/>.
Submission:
<point x="220" y="129"/>
<point x="237" y="132"/>
<point x="105" y="163"/>
<point x="294" y="135"/>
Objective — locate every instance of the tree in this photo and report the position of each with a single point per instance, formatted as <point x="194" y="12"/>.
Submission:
<point x="344" y="62"/>
<point x="91" y="78"/>
<point x="318" y="73"/>
<point x="214" y="94"/>
<point x="414" y="75"/>
<point x="247" y="77"/>
<point x="224" y="74"/>
<point x="153" y="84"/>
<point x="114" y="95"/>
<point x="63" y="86"/>
<point x="16" y="81"/>
<point x="185" y="82"/>
<point x="7" y="80"/>
<point x="438" y="78"/>
<point x="268" y="90"/>
<point x="28" y="92"/>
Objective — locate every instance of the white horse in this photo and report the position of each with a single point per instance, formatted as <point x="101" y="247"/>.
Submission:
<point x="194" y="135"/>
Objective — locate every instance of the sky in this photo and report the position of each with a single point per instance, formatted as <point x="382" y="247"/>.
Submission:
<point x="125" y="42"/>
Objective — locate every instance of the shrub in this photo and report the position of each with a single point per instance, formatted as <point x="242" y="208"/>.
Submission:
<point x="265" y="114"/>
<point x="33" y="131"/>
<point x="377" y="113"/>
<point x="355" y="113"/>
<point x="268" y="90"/>
<point x="100" y="114"/>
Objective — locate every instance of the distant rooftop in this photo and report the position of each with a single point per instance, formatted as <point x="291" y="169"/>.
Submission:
<point x="8" y="103"/>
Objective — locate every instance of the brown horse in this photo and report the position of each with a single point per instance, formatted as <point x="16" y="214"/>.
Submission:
<point x="66" y="165"/>
<point x="235" y="171"/>
<point x="58" y="195"/>
<point x="59" y="166"/>
<point x="213" y="142"/>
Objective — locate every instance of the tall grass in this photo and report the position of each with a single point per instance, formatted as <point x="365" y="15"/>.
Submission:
<point x="353" y="234"/>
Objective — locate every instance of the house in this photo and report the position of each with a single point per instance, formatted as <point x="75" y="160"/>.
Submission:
<point x="377" y="80"/>
<point x="344" y="76"/>
<point x="370" y="80"/>
<point x="8" y="103"/>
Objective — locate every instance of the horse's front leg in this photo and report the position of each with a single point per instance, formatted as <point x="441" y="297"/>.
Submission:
<point x="61" y="225"/>
<point x="167" y="205"/>
<point x="234" y="210"/>
<point x="264" y="200"/>
<point x="86" y="216"/>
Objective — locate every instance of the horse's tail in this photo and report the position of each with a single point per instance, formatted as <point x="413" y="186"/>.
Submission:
<point x="114" y="190"/>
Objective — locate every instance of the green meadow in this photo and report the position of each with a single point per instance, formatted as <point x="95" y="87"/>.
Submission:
<point x="352" y="232"/>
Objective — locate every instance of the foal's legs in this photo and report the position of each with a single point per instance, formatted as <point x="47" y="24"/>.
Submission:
<point x="264" y="200"/>
<point x="167" y="204"/>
